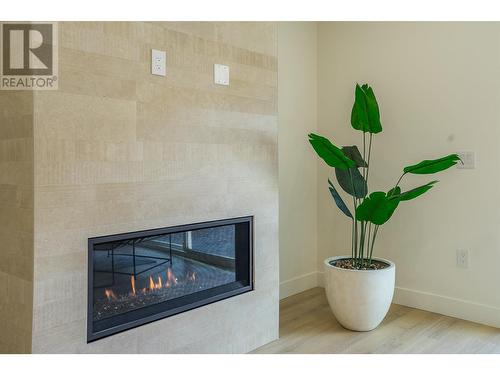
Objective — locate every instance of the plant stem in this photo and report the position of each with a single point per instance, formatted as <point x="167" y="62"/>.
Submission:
<point x="397" y="183"/>
<point x="364" y="151"/>
<point x="352" y="239"/>
<point x="373" y="241"/>
<point x="362" y="241"/>
<point x="368" y="161"/>
<point x="366" y="182"/>
<point x="394" y="188"/>
<point x="355" y="221"/>
<point x="368" y="251"/>
<point x="355" y="232"/>
<point x="366" y="241"/>
<point x="362" y="235"/>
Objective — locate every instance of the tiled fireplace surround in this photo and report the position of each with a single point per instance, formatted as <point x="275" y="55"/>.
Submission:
<point x="115" y="150"/>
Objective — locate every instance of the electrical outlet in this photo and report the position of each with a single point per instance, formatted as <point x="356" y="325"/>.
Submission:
<point x="463" y="258"/>
<point x="468" y="159"/>
<point x="158" y="62"/>
<point x="221" y="74"/>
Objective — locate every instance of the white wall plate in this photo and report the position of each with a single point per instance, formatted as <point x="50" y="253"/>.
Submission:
<point x="468" y="158"/>
<point x="158" y="62"/>
<point x="221" y="74"/>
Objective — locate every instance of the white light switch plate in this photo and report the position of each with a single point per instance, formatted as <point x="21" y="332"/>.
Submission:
<point x="221" y="74"/>
<point x="158" y="62"/>
<point x="468" y="158"/>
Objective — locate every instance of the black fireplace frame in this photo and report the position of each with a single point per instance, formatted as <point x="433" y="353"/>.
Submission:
<point x="189" y="302"/>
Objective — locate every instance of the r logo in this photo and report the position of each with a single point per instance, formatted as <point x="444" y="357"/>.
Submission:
<point x="29" y="59"/>
<point x="27" y="49"/>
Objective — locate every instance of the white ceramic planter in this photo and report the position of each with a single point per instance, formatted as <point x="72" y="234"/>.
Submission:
<point x="359" y="299"/>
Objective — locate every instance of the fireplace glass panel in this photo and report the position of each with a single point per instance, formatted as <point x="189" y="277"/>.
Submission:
<point x="141" y="277"/>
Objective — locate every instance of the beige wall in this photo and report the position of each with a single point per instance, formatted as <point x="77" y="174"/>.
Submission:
<point x="119" y="150"/>
<point x="297" y="86"/>
<point x="439" y="88"/>
<point x="16" y="221"/>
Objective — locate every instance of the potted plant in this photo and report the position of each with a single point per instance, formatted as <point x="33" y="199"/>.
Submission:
<point x="360" y="287"/>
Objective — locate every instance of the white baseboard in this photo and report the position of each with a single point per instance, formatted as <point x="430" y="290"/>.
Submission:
<point x="321" y="279"/>
<point x="457" y="308"/>
<point x="454" y="307"/>
<point x="298" y="284"/>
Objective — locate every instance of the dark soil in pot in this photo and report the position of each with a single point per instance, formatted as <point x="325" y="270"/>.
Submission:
<point x="351" y="264"/>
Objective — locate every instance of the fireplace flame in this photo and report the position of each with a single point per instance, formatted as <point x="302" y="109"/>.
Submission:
<point x="109" y="294"/>
<point x="132" y="284"/>
<point x="155" y="285"/>
<point x="171" y="279"/>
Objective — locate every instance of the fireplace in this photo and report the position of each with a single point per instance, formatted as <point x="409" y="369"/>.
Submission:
<point x="136" y="278"/>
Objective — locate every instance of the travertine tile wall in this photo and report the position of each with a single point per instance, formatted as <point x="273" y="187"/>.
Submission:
<point x="118" y="150"/>
<point x="16" y="221"/>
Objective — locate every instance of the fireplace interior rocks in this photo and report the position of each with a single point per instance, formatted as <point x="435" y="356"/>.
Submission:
<point x="140" y="277"/>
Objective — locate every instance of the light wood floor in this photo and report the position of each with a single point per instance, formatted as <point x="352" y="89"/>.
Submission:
<point x="308" y="326"/>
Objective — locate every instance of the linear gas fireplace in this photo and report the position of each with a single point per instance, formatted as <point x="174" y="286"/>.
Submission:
<point x="139" y="277"/>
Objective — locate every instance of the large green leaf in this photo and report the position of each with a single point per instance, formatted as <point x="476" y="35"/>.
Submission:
<point x="353" y="153"/>
<point x="377" y="208"/>
<point x="338" y="200"/>
<point x="355" y="187"/>
<point x="414" y="193"/>
<point x="365" y="114"/>
<point x="359" y="112"/>
<point x="331" y="154"/>
<point x="433" y="166"/>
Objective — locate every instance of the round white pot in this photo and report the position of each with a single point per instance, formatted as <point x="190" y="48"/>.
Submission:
<point x="359" y="299"/>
